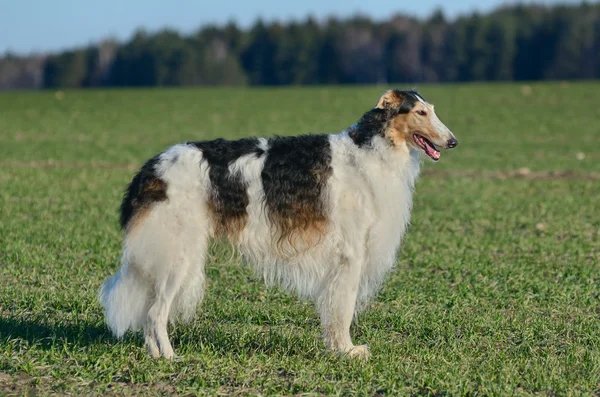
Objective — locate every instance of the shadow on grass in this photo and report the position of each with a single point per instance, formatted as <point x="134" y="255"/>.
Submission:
<point x="225" y="339"/>
<point x="46" y="336"/>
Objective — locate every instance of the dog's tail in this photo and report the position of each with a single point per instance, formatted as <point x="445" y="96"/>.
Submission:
<point x="126" y="300"/>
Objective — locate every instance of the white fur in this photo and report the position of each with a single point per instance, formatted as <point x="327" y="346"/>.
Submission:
<point x="369" y="197"/>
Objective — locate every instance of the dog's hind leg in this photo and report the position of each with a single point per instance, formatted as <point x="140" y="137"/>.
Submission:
<point x="155" y="330"/>
<point x="336" y="304"/>
<point x="179" y="290"/>
<point x="167" y="249"/>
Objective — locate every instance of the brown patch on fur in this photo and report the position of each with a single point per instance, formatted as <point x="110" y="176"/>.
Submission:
<point x="156" y="189"/>
<point x="398" y="131"/>
<point x="301" y="229"/>
<point x="294" y="177"/>
<point x="390" y="99"/>
<point x="226" y="223"/>
<point x="153" y="190"/>
<point x="145" y="189"/>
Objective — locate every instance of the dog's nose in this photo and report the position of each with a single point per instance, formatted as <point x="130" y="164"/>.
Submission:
<point x="452" y="143"/>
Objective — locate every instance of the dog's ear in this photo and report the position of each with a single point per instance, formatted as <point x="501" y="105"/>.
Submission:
<point x="391" y="99"/>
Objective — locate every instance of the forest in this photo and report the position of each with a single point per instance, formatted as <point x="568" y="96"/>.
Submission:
<point x="516" y="42"/>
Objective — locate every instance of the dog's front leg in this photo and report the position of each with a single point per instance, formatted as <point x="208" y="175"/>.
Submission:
<point x="336" y="304"/>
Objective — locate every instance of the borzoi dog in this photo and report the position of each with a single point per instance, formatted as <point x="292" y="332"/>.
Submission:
<point x="321" y="215"/>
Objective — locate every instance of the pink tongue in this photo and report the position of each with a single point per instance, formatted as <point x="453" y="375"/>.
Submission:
<point x="431" y="152"/>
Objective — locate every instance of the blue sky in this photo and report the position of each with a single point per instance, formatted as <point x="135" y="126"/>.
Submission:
<point x="48" y="25"/>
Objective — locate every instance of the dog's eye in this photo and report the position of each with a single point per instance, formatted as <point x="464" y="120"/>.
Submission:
<point x="421" y="113"/>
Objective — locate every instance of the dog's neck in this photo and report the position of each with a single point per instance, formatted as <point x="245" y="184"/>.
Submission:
<point x="372" y="124"/>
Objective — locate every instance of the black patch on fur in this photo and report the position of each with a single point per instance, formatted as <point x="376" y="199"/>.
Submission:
<point x="371" y="124"/>
<point x="410" y="98"/>
<point x="374" y="122"/>
<point x="145" y="189"/>
<point x="229" y="196"/>
<point x="295" y="173"/>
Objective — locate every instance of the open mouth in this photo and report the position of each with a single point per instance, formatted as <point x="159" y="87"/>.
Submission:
<point x="428" y="147"/>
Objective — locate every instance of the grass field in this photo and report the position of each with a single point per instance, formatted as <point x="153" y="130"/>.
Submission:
<point x="496" y="290"/>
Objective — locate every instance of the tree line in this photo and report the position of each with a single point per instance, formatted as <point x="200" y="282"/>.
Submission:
<point x="517" y="42"/>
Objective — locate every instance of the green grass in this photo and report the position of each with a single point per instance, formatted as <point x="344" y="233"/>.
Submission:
<point x="496" y="291"/>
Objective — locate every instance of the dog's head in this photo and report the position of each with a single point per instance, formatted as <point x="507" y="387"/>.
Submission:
<point x="412" y="122"/>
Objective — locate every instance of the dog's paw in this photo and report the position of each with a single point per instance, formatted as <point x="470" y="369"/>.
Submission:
<point x="168" y="353"/>
<point x="361" y="352"/>
<point x="154" y="352"/>
<point x="152" y="348"/>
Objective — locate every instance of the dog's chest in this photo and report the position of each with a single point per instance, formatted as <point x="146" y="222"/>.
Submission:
<point x="392" y="184"/>
<point x="392" y="203"/>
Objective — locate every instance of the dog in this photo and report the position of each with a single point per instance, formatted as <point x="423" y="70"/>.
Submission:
<point x="320" y="215"/>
